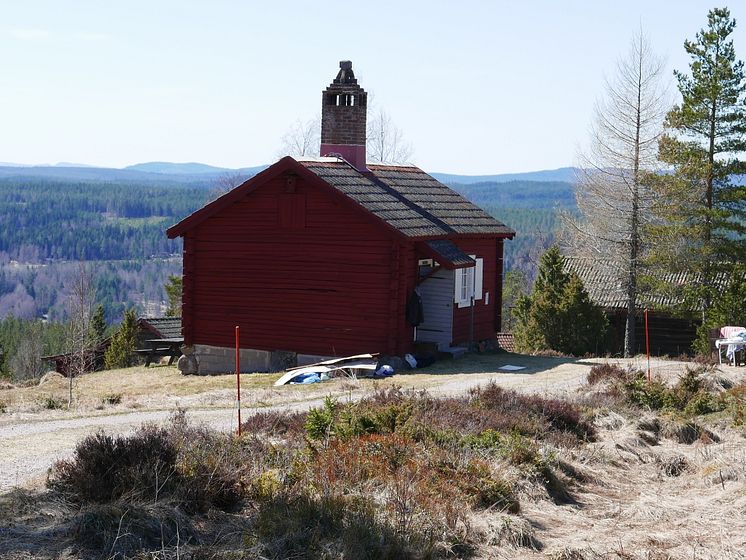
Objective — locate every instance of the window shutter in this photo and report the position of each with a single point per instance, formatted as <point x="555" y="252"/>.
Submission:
<point x="473" y="277"/>
<point x="478" y="279"/>
<point x="458" y="284"/>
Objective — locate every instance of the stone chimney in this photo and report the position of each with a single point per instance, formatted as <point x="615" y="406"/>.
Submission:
<point x="343" y="115"/>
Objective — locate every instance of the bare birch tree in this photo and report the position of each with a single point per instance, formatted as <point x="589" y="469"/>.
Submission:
<point x="385" y="140"/>
<point x="26" y="362"/>
<point x="614" y="204"/>
<point x="303" y="138"/>
<point x="81" y="342"/>
<point x="226" y="183"/>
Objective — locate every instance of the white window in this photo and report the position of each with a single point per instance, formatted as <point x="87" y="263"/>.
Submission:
<point x="469" y="283"/>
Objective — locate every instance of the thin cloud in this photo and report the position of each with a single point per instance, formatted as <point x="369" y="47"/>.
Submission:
<point x="29" y="34"/>
<point x="92" y="36"/>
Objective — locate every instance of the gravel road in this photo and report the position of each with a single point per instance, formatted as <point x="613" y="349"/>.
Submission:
<point x="28" y="447"/>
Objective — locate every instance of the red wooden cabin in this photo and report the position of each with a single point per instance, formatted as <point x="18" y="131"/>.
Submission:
<point x="320" y="257"/>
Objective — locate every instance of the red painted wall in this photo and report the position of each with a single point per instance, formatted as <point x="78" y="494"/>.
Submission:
<point x="484" y="314"/>
<point x="296" y="271"/>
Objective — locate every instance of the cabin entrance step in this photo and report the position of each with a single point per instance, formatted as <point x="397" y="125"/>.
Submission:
<point x="454" y="351"/>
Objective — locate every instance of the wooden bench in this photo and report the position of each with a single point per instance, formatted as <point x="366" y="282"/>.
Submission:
<point x="161" y="347"/>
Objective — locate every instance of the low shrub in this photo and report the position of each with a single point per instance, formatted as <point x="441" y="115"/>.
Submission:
<point x="52" y="403"/>
<point x="691" y="395"/>
<point x="396" y="475"/>
<point x="734" y="401"/>
<point x="560" y="415"/>
<point x="496" y="495"/>
<point x="703" y="402"/>
<point x="194" y="468"/>
<point x="122" y="529"/>
<point x="653" y="394"/>
<point x="381" y="481"/>
<point x="3" y="406"/>
<point x="336" y="526"/>
<point x="275" y="423"/>
<point x="446" y="421"/>
<point x="112" y="399"/>
<point x="607" y="372"/>
<point x="424" y="489"/>
<point x="319" y="421"/>
<point x="469" y="416"/>
<point x="488" y="491"/>
<point x="518" y="450"/>
<point x="105" y="468"/>
<point x="216" y="468"/>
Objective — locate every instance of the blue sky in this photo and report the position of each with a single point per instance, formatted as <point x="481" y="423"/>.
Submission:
<point x="476" y="86"/>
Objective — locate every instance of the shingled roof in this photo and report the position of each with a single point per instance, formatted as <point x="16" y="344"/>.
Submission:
<point x="408" y="199"/>
<point x="161" y="327"/>
<point x="605" y="288"/>
<point x="404" y="197"/>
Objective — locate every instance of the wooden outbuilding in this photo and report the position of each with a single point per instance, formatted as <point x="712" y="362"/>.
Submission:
<point x="332" y="256"/>
<point x="71" y="363"/>
<point x="671" y="330"/>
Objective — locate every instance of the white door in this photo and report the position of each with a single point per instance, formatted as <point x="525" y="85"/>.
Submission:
<point x="437" y="309"/>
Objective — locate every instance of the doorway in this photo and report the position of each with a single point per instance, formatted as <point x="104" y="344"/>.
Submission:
<point x="436" y="292"/>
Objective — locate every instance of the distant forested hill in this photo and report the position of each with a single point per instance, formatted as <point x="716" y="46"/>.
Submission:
<point x="531" y="208"/>
<point x="154" y="174"/>
<point x="563" y="174"/>
<point x="42" y="219"/>
<point x="519" y="194"/>
<point x="46" y="226"/>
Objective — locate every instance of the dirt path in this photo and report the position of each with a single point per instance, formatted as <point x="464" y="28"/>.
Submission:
<point x="29" y="448"/>
<point x="30" y="442"/>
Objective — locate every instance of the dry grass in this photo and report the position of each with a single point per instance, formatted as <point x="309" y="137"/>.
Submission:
<point x="637" y="489"/>
<point x="163" y="387"/>
<point x="138" y="386"/>
<point x="667" y="500"/>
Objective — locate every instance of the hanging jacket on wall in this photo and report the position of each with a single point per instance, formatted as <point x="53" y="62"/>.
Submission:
<point x="414" y="313"/>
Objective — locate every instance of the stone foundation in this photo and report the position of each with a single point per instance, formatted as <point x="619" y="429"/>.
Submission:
<point x="216" y="360"/>
<point x="202" y="359"/>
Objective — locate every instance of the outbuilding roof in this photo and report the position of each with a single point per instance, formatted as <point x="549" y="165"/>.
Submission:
<point x="605" y="288"/>
<point x="161" y="327"/>
<point x="405" y="198"/>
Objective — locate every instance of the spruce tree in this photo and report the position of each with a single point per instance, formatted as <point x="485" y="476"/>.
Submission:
<point x="585" y="324"/>
<point x="515" y="285"/>
<point x="535" y="314"/>
<point x="120" y="353"/>
<point x="727" y="309"/>
<point x="702" y="213"/>
<point x="558" y="315"/>
<point x="98" y="325"/>
<point x="173" y="292"/>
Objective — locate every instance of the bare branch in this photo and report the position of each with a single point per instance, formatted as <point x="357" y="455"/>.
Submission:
<point x="614" y="203"/>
